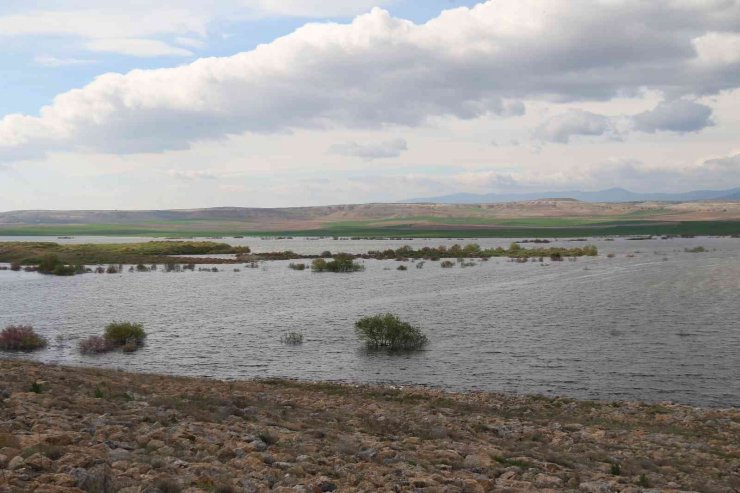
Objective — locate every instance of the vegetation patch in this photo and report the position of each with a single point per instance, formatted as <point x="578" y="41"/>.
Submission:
<point x="292" y="338"/>
<point x="21" y="338"/>
<point x="341" y="263"/>
<point x="54" y="258"/>
<point x="122" y="333"/>
<point x="388" y="331"/>
<point x="95" y="345"/>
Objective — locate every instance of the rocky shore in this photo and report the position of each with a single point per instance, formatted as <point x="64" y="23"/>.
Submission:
<point x="81" y="429"/>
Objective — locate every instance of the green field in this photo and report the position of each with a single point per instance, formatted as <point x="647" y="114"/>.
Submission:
<point x="444" y="228"/>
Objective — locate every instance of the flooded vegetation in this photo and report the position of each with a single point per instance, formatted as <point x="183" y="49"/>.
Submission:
<point x="613" y="326"/>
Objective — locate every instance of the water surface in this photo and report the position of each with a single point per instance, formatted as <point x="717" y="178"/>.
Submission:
<point x="653" y="323"/>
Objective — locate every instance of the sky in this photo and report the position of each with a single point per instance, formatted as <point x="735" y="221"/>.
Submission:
<point x="275" y="103"/>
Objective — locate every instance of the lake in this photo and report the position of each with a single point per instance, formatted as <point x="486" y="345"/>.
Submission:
<point x="652" y="323"/>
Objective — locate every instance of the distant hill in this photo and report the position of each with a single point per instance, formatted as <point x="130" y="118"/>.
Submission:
<point x="608" y="195"/>
<point x="384" y="219"/>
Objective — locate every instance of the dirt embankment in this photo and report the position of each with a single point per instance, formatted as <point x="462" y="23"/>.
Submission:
<point x="75" y="429"/>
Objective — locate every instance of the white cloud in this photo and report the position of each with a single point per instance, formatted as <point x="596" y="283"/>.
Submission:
<point x="190" y="175"/>
<point x="379" y="150"/>
<point x="101" y="21"/>
<point x="52" y="61"/>
<point x="136" y="47"/>
<point x="380" y="71"/>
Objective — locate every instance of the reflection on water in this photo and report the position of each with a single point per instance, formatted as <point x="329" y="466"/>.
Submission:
<point x="661" y="325"/>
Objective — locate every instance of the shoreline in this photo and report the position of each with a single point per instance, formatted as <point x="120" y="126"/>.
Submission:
<point x="94" y="429"/>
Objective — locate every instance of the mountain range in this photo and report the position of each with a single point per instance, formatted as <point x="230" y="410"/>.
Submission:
<point x="608" y="195"/>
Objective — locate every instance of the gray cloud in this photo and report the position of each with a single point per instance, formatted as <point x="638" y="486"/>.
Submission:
<point x="381" y="71"/>
<point x="724" y="163"/>
<point x="379" y="150"/>
<point x="678" y="116"/>
<point x="561" y="128"/>
<point x="674" y="116"/>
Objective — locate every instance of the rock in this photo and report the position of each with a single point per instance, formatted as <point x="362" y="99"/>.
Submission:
<point x="16" y="463"/>
<point x="94" y="480"/>
<point x="258" y="445"/>
<point x="476" y="461"/>
<point x="595" y="487"/>
<point x="368" y="454"/>
<point x="545" y="481"/>
<point x="37" y="462"/>
<point x="155" y="444"/>
<point x="325" y="486"/>
<point x="119" y="454"/>
<point x="3" y="461"/>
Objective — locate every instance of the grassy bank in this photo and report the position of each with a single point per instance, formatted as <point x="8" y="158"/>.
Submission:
<point x="520" y="228"/>
<point x="99" y="430"/>
<point x="32" y="253"/>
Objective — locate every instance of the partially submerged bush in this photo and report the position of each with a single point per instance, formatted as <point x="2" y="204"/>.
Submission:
<point x="21" y="338"/>
<point x="123" y="333"/>
<point x="95" y="345"/>
<point x="299" y="266"/>
<point x="388" y="331"/>
<point x="447" y="264"/>
<point x="51" y="264"/>
<point x="293" y="338"/>
<point x="341" y="263"/>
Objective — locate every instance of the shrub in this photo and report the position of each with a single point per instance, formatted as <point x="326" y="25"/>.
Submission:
<point x="297" y="266"/>
<point x="95" y="345"/>
<point x="447" y="264"/>
<point x="293" y="338"/>
<point x="124" y="333"/>
<point x="388" y="331"/>
<point x="21" y="338"/>
<point x="64" y="270"/>
<point x="643" y="481"/>
<point x="51" y="264"/>
<point x="341" y="263"/>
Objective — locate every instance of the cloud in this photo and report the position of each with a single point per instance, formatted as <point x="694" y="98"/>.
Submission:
<point x="52" y="61"/>
<point x="136" y="47"/>
<point x="723" y="163"/>
<point x="379" y="71"/>
<point x="190" y="175"/>
<point x="674" y="116"/>
<point x="678" y="116"/>
<point x="561" y="128"/>
<point x="387" y="149"/>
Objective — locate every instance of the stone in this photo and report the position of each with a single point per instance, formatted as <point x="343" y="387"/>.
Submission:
<point x="119" y="454"/>
<point x="476" y="461"/>
<point x="258" y="445"/>
<point x="94" y="480"/>
<point x="16" y="463"/>
<point x="325" y="486"/>
<point x="595" y="487"/>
